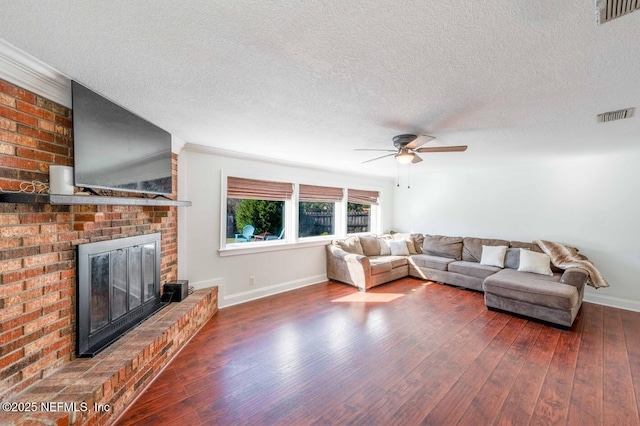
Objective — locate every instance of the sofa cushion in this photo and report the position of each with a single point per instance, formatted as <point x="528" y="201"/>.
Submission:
<point x="537" y="263"/>
<point x="440" y="245"/>
<point x="431" y="262"/>
<point x="393" y="261"/>
<point x="379" y="265"/>
<point x="370" y="245"/>
<point x="350" y="245"/>
<point x="472" y="247"/>
<point x="532" y="288"/>
<point x="512" y="258"/>
<point x="493" y="255"/>
<point x="472" y="269"/>
<point x="398" y="261"/>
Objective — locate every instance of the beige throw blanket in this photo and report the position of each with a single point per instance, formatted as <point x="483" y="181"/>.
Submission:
<point x="566" y="257"/>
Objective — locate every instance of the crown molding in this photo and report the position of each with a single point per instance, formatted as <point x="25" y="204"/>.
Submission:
<point x="24" y="70"/>
<point x="176" y="144"/>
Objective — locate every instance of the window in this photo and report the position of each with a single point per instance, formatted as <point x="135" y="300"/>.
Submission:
<point x="262" y="215"/>
<point x="317" y="207"/>
<point x="360" y="207"/>
<point x="256" y="210"/>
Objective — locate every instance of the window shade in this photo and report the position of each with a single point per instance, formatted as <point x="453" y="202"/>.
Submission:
<point x="325" y="194"/>
<point x="254" y="189"/>
<point x="359" y="196"/>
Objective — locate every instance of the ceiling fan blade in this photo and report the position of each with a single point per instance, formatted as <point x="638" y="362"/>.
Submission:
<point x="380" y="150"/>
<point x="458" y="148"/>
<point x="377" y="158"/>
<point x="419" y="141"/>
<point x="416" y="158"/>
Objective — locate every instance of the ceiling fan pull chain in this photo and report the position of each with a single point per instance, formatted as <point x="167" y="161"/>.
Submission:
<point x="398" y="184"/>
<point x="408" y="176"/>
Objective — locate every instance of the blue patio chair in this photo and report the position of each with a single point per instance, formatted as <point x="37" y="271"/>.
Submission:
<point x="247" y="234"/>
<point x="273" y="237"/>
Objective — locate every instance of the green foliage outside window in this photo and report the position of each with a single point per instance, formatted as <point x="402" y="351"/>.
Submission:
<point x="265" y="216"/>
<point x="353" y="207"/>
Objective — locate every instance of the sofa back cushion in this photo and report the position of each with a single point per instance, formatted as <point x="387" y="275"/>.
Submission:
<point x="350" y="245"/>
<point x="370" y="245"/>
<point x="443" y="246"/>
<point x="418" y="241"/>
<point x="528" y="246"/>
<point x="472" y="247"/>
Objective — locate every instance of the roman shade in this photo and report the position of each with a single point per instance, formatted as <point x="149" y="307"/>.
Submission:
<point x="254" y="189"/>
<point x="325" y="194"/>
<point x="359" y="196"/>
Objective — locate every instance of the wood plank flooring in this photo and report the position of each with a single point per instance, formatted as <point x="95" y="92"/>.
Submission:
<point x="417" y="353"/>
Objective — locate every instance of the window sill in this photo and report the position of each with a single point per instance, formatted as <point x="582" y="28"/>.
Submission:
<point x="263" y="247"/>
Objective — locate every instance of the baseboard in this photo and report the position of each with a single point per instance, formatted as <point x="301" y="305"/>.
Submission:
<point x="614" y="302"/>
<point x="246" y="296"/>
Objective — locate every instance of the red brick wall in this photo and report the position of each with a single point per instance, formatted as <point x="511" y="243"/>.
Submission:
<point x="37" y="241"/>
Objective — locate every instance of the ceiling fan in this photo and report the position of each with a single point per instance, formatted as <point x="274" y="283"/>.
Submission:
<point x="408" y="147"/>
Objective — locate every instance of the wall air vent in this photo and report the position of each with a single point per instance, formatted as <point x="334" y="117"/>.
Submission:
<point x="615" y="115"/>
<point x="612" y="9"/>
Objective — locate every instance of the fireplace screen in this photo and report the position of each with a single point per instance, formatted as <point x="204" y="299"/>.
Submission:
<point x="118" y="286"/>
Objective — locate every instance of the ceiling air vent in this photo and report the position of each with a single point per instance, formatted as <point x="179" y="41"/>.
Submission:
<point x="612" y="9"/>
<point x="615" y="115"/>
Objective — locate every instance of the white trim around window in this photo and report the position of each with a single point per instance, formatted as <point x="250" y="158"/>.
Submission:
<point x="291" y="239"/>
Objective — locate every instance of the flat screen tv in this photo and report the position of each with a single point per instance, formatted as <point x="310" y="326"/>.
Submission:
<point x="116" y="149"/>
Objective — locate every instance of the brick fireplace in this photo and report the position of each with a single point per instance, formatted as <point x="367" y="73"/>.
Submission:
<point x="38" y="241"/>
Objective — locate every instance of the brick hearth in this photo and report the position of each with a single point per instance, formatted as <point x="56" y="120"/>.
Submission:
<point x="114" y="377"/>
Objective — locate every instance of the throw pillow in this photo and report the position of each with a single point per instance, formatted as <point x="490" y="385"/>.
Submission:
<point x="351" y="245"/>
<point x="408" y="238"/>
<point x="493" y="255"/>
<point x="399" y="248"/>
<point x="538" y="263"/>
<point x="512" y="258"/>
<point x="385" y="249"/>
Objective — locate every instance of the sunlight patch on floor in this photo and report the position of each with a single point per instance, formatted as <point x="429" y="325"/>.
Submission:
<point x="369" y="297"/>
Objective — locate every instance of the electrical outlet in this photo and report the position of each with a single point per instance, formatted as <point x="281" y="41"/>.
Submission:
<point x="252" y="280"/>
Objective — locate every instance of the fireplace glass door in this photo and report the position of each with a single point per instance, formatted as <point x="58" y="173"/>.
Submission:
<point x="118" y="285"/>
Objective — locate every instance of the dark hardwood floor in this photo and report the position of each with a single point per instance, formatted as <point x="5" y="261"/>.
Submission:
<point x="408" y="352"/>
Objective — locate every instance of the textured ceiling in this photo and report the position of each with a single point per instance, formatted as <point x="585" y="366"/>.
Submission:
<point x="310" y="81"/>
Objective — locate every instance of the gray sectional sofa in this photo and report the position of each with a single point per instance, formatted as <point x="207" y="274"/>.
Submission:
<point x="363" y="262"/>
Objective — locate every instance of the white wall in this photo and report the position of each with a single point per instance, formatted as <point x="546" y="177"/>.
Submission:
<point x="591" y="203"/>
<point x="199" y="175"/>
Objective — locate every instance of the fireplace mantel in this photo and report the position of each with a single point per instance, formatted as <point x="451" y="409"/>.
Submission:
<point x="25" y="198"/>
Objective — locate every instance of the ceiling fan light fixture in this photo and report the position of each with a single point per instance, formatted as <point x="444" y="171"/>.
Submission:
<point x="405" y="157"/>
